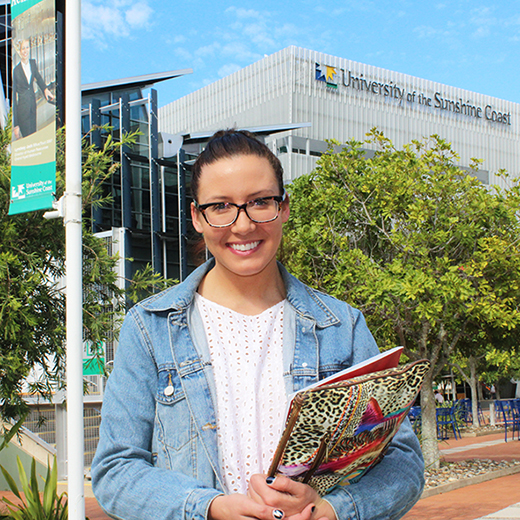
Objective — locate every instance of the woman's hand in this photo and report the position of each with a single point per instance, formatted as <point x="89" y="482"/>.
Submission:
<point x="49" y="96"/>
<point x="291" y="497"/>
<point x="240" y="507"/>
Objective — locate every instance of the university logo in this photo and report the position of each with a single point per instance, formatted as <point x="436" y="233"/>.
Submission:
<point x="18" y="192"/>
<point x="327" y="74"/>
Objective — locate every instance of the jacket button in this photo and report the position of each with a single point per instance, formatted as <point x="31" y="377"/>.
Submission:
<point x="168" y="391"/>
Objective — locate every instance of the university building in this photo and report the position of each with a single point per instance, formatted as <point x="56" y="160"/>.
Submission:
<point x="337" y="98"/>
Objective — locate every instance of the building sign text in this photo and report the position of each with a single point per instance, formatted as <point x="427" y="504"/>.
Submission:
<point x="346" y="78"/>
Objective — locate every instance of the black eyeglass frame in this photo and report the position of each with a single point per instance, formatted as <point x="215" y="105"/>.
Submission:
<point x="277" y="198"/>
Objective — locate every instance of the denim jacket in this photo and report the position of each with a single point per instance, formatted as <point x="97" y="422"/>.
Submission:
<point x="157" y="456"/>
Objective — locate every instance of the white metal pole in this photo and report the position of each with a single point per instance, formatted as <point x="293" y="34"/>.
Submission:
<point x="74" y="261"/>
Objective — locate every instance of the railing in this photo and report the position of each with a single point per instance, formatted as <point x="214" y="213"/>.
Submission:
<point x="42" y="420"/>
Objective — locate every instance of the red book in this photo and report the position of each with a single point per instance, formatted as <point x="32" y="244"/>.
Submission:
<point x="382" y="361"/>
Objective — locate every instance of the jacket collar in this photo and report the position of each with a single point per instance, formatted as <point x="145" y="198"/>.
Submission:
<point x="307" y="302"/>
<point x="180" y="296"/>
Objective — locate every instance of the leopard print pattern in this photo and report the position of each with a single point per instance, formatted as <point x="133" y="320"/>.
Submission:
<point x="341" y="408"/>
<point x="341" y="413"/>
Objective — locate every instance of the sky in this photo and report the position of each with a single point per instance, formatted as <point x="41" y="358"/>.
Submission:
<point x="472" y="45"/>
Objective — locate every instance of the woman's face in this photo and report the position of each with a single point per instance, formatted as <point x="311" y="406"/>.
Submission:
<point x="245" y="248"/>
<point x="25" y="50"/>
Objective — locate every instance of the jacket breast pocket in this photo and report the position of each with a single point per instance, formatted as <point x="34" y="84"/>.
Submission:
<point x="173" y="423"/>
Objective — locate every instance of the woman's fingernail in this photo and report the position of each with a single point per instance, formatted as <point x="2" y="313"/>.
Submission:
<point x="270" y="480"/>
<point x="278" y="514"/>
<point x="313" y="509"/>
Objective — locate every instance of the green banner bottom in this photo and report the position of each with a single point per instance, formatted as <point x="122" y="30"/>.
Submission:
<point x="32" y="187"/>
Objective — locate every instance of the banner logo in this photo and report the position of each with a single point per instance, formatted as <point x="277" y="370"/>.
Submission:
<point x="18" y="192"/>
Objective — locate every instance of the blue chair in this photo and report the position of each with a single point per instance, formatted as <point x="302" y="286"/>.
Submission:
<point x="414" y="414"/>
<point x="446" y="422"/>
<point x="463" y="411"/>
<point x="515" y="409"/>
<point x="466" y="412"/>
<point x="507" y="411"/>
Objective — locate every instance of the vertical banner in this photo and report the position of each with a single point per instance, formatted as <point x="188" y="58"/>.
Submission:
<point x="33" y="150"/>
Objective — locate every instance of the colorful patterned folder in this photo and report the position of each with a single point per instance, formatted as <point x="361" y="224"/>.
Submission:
<point x="335" y="433"/>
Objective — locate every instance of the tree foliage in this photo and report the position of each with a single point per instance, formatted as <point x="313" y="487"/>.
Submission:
<point x="501" y="365"/>
<point x="32" y="274"/>
<point x="31" y="304"/>
<point x="428" y="252"/>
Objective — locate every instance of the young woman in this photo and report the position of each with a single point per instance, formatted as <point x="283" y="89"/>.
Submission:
<point x="195" y="404"/>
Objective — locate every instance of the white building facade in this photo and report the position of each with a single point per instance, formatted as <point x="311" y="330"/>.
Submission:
<point x="343" y="100"/>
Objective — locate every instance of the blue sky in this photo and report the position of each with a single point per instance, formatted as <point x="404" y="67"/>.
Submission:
<point x="468" y="44"/>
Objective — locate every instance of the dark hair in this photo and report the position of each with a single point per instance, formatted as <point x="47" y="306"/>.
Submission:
<point x="230" y="143"/>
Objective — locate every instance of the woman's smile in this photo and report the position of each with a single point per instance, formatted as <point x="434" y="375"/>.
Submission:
<point x="245" y="246"/>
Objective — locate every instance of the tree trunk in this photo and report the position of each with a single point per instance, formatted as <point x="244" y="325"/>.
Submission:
<point x="473" y="383"/>
<point x="430" y="446"/>
<point x="480" y="393"/>
<point x="453" y="386"/>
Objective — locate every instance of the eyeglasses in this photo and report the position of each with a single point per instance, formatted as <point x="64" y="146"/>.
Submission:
<point x="224" y="214"/>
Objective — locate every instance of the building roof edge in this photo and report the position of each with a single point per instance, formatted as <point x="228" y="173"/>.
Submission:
<point x="144" y="81"/>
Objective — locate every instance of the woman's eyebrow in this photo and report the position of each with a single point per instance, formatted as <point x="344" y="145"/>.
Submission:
<point x="256" y="195"/>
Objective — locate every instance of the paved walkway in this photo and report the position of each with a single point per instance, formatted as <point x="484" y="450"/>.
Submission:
<point x="472" y="502"/>
<point x="509" y="513"/>
<point x="497" y="499"/>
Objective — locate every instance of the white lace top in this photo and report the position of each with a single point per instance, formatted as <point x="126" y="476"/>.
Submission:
<point x="246" y="354"/>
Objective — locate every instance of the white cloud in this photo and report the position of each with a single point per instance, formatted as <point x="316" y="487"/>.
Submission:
<point x="240" y="52"/>
<point x="425" y="31"/>
<point x="287" y="30"/>
<point x="139" y="14"/>
<point x="102" y="22"/>
<point x="243" y="13"/>
<point x="260" y="31"/>
<point x="208" y="51"/>
<point x="483" y="20"/>
<point x="366" y="6"/>
<point x="183" y="54"/>
<point x="481" y="32"/>
<point x="482" y="15"/>
<point x="240" y="37"/>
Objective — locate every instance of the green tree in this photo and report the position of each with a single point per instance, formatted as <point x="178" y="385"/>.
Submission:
<point x="485" y="355"/>
<point x="422" y="248"/>
<point x="32" y="302"/>
<point x="501" y="366"/>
